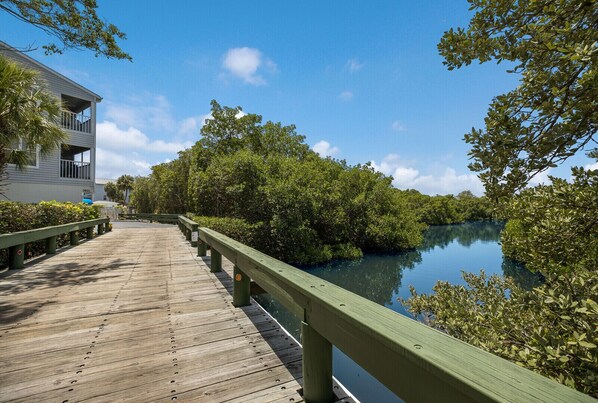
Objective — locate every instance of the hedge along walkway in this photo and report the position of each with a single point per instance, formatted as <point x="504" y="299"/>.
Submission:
<point x="136" y="315"/>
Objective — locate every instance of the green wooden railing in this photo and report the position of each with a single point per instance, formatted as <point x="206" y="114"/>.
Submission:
<point x="415" y="361"/>
<point x="159" y="218"/>
<point x="15" y="241"/>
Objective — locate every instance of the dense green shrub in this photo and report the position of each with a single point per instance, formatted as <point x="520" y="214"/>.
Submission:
<point x="297" y="206"/>
<point x="449" y="209"/>
<point x="236" y="228"/>
<point x="556" y="226"/>
<point x="15" y="216"/>
<point x="550" y="330"/>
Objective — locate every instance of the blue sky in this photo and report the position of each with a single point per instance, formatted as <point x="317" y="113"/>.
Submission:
<point x="362" y="83"/>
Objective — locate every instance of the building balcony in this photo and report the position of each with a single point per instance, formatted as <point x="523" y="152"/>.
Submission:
<point x="78" y="122"/>
<point x="75" y="169"/>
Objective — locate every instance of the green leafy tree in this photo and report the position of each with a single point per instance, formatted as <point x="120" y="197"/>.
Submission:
<point x="29" y="116"/>
<point x="553" y="112"/>
<point x="74" y="23"/>
<point x="555" y="227"/>
<point x="113" y="192"/>
<point x="143" y="197"/>
<point x="245" y="175"/>
<point x="124" y="183"/>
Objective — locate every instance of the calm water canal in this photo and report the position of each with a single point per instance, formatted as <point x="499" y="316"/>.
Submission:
<point x="446" y="251"/>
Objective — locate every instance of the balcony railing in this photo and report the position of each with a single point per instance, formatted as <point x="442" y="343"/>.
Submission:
<point x="75" y="169"/>
<point x="76" y="121"/>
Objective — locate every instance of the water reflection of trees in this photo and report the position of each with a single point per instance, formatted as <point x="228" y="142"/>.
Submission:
<point x="375" y="277"/>
<point x="379" y="277"/>
<point x="465" y="234"/>
<point x="522" y="276"/>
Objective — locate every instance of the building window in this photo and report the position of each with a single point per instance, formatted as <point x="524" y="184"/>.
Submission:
<point x="19" y="145"/>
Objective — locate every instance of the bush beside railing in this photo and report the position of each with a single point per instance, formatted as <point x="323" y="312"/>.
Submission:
<point x="15" y="242"/>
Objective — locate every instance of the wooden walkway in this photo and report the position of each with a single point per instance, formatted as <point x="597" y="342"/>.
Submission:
<point x="135" y="315"/>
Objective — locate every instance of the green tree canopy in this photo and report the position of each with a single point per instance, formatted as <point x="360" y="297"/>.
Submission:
<point x="553" y="113"/>
<point x="74" y="23"/>
<point x="124" y="183"/>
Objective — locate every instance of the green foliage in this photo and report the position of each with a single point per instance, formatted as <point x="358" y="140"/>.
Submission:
<point x="73" y="22"/>
<point x="555" y="227"/>
<point x="299" y="207"/>
<point x="551" y="329"/>
<point x="236" y="228"/>
<point x="124" y="184"/>
<point x="442" y="210"/>
<point x="29" y="114"/>
<point x="143" y="195"/>
<point x="553" y="112"/>
<point x="113" y="192"/>
<point x="120" y="190"/>
<point x="16" y="217"/>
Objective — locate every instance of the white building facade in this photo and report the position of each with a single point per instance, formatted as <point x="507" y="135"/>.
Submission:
<point x="68" y="173"/>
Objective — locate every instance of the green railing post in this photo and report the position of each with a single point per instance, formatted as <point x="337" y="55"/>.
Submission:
<point x="215" y="261"/>
<point x="107" y="226"/>
<point x="89" y="234"/>
<point x="16" y="257"/>
<point x="202" y="248"/>
<point x="100" y="229"/>
<point x="194" y="235"/>
<point x="74" y="238"/>
<point x="241" y="288"/>
<point x="317" y="366"/>
<point x="188" y="234"/>
<point x="51" y="245"/>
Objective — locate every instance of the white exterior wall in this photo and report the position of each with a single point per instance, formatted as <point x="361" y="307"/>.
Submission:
<point x="46" y="177"/>
<point x="36" y="192"/>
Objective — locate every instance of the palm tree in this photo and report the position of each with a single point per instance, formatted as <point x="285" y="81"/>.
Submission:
<point x="125" y="184"/>
<point x="29" y="116"/>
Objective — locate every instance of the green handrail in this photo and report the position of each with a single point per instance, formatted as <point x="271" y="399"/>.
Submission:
<point x="415" y="361"/>
<point x="15" y="241"/>
<point x="189" y="228"/>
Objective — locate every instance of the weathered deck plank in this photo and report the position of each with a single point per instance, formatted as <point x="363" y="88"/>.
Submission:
<point x="134" y="315"/>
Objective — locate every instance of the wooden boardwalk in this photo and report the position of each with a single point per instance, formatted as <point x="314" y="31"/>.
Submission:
<point x="135" y="315"/>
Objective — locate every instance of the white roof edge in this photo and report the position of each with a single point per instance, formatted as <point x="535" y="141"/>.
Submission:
<point x="50" y="70"/>
<point x="103" y="181"/>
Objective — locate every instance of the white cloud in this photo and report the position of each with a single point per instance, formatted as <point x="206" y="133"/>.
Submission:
<point x="145" y="111"/>
<point x="541" y="178"/>
<point x="592" y="167"/>
<point x="445" y="182"/>
<point x="111" y="137"/>
<point x="353" y="65"/>
<point x="324" y="149"/>
<point x="398" y="126"/>
<point x="245" y="62"/>
<point x="112" y="165"/>
<point x="345" y="96"/>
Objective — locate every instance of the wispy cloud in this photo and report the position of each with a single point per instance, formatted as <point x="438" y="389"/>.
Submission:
<point x="111" y="137"/>
<point x="141" y="132"/>
<point x="398" y="126"/>
<point x="446" y="181"/>
<point x="245" y="62"/>
<point x="354" y="65"/>
<point x="324" y="149"/>
<point x="592" y="167"/>
<point x="345" y="96"/>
